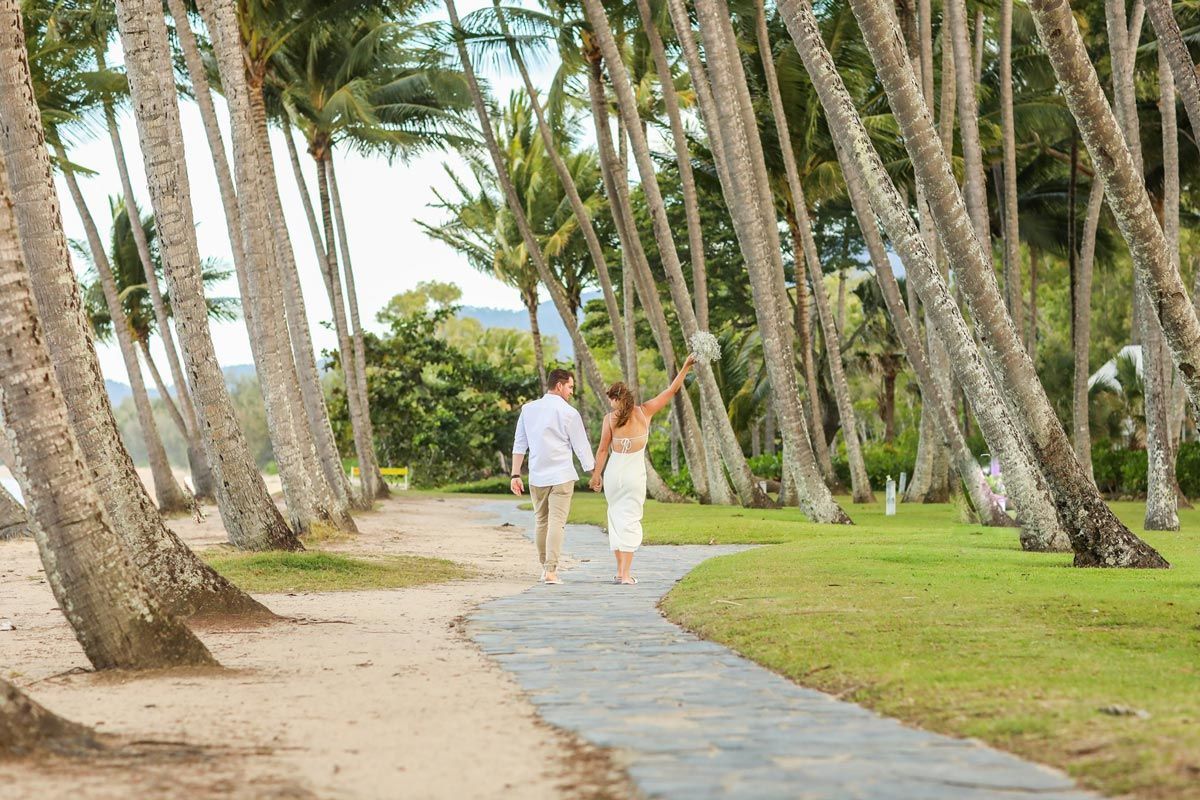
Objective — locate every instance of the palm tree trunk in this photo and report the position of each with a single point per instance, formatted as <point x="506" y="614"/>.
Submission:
<point x="198" y="76"/>
<point x="808" y="361"/>
<point x="974" y="180"/>
<point x="202" y="474"/>
<point x="613" y="172"/>
<point x="748" y="196"/>
<point x="978" y="51"/>
<point x="161" y="387"/>
<point x="595" y="249"/>
<point x="26" y="727"/>
<point x="309" y="497"/>
<point x="356" y="331"/>
<point x="535" y="332"/>
<point x="1183" y="70"/>
<point x="170" y="497"/>
<point x="249" y="514"/>
<point x="1082" y="329"/>
<point x="14" y="520"/>
<point x="1035" y="264"/>
<point x="1161" y="505"/>
<point x="683" y="159"/>
<point x="1038" y="519"/>
<point x="319" y="447"/>
<point x="115" y="614"/>
<point x="364" y="445"/>
<point x="1097" y="536"/>
<point x="1008" y="128"/>
<point x="185" y="584"/>
<point x="1123" y="188"/>
<point x="860" y="483"/>
<point x="703" y="465"/>
<point x="591" y="371"/>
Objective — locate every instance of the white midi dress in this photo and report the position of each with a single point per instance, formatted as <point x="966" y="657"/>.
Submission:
<point x="625" y="491"/>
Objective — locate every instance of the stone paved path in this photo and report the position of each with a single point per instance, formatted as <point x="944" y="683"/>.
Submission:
<point x="691" y="719"/>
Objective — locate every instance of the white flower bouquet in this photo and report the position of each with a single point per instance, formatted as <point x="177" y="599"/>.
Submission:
<point x="705" y="347"/>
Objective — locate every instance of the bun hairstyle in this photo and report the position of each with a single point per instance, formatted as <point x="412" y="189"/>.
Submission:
<point x="624" y="397"/>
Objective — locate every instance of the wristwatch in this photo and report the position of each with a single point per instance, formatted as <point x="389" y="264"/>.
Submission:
<point x="516" y="476"/>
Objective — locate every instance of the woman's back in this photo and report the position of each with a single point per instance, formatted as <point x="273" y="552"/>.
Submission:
<point x="633" y="435"/>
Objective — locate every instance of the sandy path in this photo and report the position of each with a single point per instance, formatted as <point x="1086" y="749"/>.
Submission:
<point x="371" y="694"/>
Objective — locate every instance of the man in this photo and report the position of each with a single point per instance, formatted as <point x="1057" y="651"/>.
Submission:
<point x="549" y="429"/>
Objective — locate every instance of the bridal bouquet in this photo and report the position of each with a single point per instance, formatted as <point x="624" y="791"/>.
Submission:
<point x="705" y="347"/>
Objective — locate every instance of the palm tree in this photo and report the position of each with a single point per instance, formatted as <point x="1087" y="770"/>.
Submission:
<point x="745" y="184"/>
<point x="860" y="483"/>
<point x="1097" y="536"/>
<point x="186" y="585"/>
<point x="14" y="519"/>
<point x="249" y="514"/>
<point x="1081" y="328"/>
<point x="171" y="498"/>
<point x="1124" y="188"/>
<point x="311" y="498"/>
<point x="26" y="726"/>
<point x="116" y="616"/>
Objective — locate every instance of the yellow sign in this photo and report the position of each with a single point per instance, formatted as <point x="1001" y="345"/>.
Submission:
<point x="388" y="472"/>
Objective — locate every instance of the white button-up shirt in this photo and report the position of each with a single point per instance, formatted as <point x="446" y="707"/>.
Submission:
<point x="549" y="429"/>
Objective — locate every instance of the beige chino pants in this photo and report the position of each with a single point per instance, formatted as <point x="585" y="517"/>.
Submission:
<point x="551" y="504"/>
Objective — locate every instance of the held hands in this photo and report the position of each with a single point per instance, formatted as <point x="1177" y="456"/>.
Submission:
<point x="517" y="486"/>
<point x="596" y="484"/>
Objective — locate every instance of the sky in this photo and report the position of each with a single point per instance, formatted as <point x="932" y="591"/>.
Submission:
<point x="382" y="203"/>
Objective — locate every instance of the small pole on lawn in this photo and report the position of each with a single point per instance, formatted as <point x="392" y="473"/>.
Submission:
<point x="890" y="503"/>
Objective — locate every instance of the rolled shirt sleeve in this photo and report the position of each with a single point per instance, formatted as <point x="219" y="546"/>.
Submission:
<point x="521" y="439"/>
<point x="580" y="443"/>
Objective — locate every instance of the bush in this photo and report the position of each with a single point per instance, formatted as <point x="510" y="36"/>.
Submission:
<point x="767" y="466"/>
<point x="1187" y="468"/>
<point x="881" y="459"/>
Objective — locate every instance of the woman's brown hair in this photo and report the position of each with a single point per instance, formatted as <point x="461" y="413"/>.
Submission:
<point x="620" y="392"/>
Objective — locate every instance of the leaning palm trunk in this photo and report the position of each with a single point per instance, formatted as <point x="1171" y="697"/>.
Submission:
<point x="161" y="387"/>
<point x="1082" y="329"/>
<point x="185" y="584"/>
<point x="359" y="347"/>
<point x="321" y="459"/>
<point x="309" y="497"/>
<point x="202" y="476"/>
<point x="170" y="497"/>
<point x="116" y="616"/>
<point x="1183" y="70"/>
<point x="1161" y="506"/>
<point x="1097" y="536"/>
<point x="26" y="727"/>
<point x="1008" y="128"/>
<point x="744" y="182"/>
<point x="1123" y="188"/>
<point x="14" y="520"/>
<point x="364" y="447"/>
<point x="595" y="249"/>
<point x="616" y="187"/>
<point x="216" y="145"/>
<point x="743" y="483"/>
<point x="860" y="483"/>
<point x="974" y="180"/>
<point x="1035" y="509"/>
<point x="583" y="353"/>
<point x="708" y="113"/>
<point x="249" y="514"/>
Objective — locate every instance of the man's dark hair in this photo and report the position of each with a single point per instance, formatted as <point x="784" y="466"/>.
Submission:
<point x="558" y="377"/>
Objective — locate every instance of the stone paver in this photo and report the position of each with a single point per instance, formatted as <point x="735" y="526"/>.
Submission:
<point x="691" y="719"/>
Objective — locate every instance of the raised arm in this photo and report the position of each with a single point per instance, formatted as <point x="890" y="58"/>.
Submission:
<point x="657" y="404"/>
<point x="602" y="454"/>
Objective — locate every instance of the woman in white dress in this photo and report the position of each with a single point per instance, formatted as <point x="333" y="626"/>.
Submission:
<point x="621" y="466"/>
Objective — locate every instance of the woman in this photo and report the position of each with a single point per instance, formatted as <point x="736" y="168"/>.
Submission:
<point x="622" y="445"/>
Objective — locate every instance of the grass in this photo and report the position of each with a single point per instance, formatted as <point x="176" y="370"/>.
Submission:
<point x="951" y="627"/>
<point x="316" y="571"/>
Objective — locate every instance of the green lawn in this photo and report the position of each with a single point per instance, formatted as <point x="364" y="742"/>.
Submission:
<point x="316" y="571"/>
<point x="951" y="627"/>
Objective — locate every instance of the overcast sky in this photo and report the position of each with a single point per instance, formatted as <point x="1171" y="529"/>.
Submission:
<point x="382" y="203"/>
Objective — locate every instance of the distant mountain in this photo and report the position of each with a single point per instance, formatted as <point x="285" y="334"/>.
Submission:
<point x="120" y="392"/>
<point x="548" y="320"/>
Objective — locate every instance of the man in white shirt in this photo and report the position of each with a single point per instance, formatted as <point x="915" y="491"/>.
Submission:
<point x="549" y="429"/>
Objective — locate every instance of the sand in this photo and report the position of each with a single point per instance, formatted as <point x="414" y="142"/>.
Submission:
<point x="362" y="694"/>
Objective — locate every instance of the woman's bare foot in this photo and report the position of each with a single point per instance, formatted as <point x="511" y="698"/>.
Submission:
<point x="628" y="580"/>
